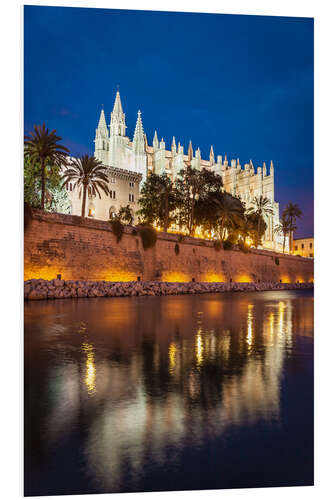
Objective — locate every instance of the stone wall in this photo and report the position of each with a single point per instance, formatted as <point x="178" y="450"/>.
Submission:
<point x="86" y="249"/>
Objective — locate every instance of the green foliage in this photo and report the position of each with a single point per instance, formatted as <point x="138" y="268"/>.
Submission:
<point x="117" y="229"/>
<point x="227" y="245"/>
<point x="56" y="197"/>
<point x="262" y="208"/>
<point x="148" y="237"/>
<point x="193" y="188"/>
<point x="158" y="201"/>
<point x="126" y="215"/>
<point x="43" y="151"/>
<point x="87" y="173"/>
<point x="217" y="245"/>
<point x="177" y="250"/>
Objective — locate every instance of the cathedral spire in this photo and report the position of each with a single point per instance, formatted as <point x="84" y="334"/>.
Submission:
<point x="139" y="136"/>
<point x="190" y="151"/>
<point x="102" y="139"/>
<point x="155" y="142"/>
<point x="211" y="156"/>
<point x="117" y="123"/>
<point x="173" y="146"/>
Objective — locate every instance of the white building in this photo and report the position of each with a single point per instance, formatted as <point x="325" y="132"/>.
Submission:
<point x="137" y="158"/>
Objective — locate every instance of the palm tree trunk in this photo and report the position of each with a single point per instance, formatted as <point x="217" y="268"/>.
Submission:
<point x="259" y="220"/>
<point x="284" y="241"/>
<point x="84" y="201"/>
<point x="290" y="242"/>
<point x="43" y="184"/>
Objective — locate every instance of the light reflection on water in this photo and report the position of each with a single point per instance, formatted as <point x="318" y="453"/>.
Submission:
<point x="122" y="390"/>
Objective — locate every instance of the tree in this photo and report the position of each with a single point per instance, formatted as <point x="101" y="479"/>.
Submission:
<point x="292" y="212"/>
<point x="87" y="173"/>
<point x="262" y="207"/>
<point x="126" y="215"/>
<point x="42" y="148"/>
<point x="229" y="211"/>
<point x="158" y="201"/>
<point x="56" y="198"/>
<point x="194" y="185"/>
<point x="284" y="228"/>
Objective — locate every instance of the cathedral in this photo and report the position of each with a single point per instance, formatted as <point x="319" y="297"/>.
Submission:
<point x="132" y="160"/>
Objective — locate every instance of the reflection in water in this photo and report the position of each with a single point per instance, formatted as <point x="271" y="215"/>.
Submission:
<point x="90" y="377"/>
<point x="162" y="382"/>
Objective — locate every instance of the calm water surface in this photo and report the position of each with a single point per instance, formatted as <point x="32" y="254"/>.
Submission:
<point x="163" y="393"/>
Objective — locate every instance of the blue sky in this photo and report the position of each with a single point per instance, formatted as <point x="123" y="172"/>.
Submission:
<point x="241" y="83"/>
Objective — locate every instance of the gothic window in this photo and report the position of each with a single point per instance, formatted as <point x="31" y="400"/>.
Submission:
<point x="310" y="245"/>
<point x="296" y="247"/>
<point x="302" y="246"/>
<point x="131" y="197"/>
<point x="70" y="186"/>
<point x="131" y="184"/>
<point x="112" y="212"/>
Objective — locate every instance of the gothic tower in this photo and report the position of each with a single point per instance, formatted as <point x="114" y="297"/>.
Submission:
<point x="118" y="138"/>
<point x="102" y="140"/>
<point x="139" y="148"/>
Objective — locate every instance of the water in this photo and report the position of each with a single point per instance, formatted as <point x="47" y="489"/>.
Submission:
<point x="163" y="393"/>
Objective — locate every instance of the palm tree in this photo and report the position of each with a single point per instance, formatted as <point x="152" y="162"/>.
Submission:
<point x="284" y="228"/>
<point x="87" y="172"/>
<point x="292" y="212"/>
<point x="41" y="148"/>
<point x="262" y="207"/>
<point x="229" y="211"/>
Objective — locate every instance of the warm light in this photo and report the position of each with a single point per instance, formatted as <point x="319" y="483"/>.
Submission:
<point x="214" y="278"/>
<point x="249" y="336"/>
<point x="172" y="357"/>
<point x="175" y="277"/>
<point x="90" y="378"/>
<point x="199" y="348"/>
<point x="243" y="278"/>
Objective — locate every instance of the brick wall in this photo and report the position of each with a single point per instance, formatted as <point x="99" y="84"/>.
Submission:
<point x="86" y="249"/>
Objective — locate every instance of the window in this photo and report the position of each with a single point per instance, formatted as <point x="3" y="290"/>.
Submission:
<point x="311" y="254"/>
<point x="131" y="197"/>
<point x="302" y="246"/>
<point x="113" y="194"/>
<point x="70" y="186"/>
<point x="310" y="245"/>
<point x="296" y="247"/>
<point x="131" y="184"/>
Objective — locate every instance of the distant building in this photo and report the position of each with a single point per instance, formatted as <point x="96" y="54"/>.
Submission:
<point x="124" y="190"/>
<point x="138" y="158"/>
<point x="304" y="247"/>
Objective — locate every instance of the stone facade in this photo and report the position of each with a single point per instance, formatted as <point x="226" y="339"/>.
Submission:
<point x="117" y="151"/>
<point x="86" y="249"/>
<point x="124" y="190"/>
<point x="304" y="247"/>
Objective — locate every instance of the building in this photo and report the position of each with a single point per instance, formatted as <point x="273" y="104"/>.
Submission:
<point x="124" y="190"/>
<point x="304" y="247"/>
<point x="138" y="158"/>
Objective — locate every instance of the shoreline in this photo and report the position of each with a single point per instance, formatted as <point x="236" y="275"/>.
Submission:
<point x="40" y="289"/>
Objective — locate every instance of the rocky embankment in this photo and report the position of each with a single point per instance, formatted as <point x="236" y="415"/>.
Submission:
<point x="39" y="289"/>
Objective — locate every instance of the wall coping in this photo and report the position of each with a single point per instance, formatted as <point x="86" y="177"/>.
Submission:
<point x="100" y="225"/>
